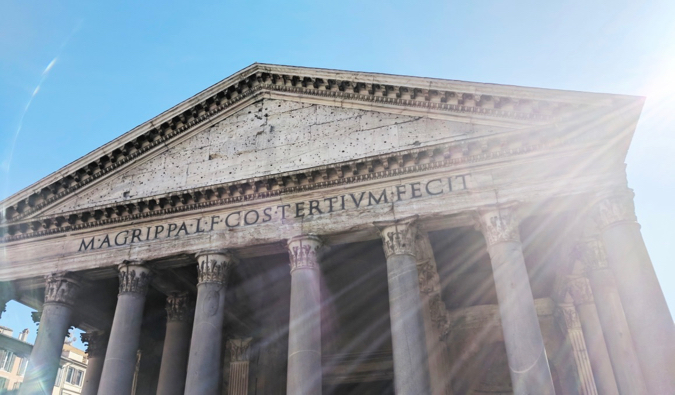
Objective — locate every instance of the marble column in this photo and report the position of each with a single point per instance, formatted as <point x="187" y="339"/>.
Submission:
<point x="239" y="365"/>
<point x="647" y="313"/>
<point x="120" y="358"/>
<point x="625" y="364"/>
<point x="204" y="363"/>
<point x="580" y="290"/>
<point x="528" y="364"/>
<point x="568" y="320"/>
<point x="57" y="312"/>
<point x="97" y="342"/>
<point x="304" y="331"/>
<point x="173" y="368"/>
<point x="411" y="362"/>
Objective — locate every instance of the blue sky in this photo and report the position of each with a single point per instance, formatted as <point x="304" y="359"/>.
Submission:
<point x="74" y="75"/>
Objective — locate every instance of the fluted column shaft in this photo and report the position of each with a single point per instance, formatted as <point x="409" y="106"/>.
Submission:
<point x="568" y="320"/>
<point x="97" y="342"/>
<point x="120" y="358"/>
<point x="411" y="365"/>
<point x="204" y="363"/>
<point x="646" y="310"/>
<point x="173" y="368"/>
<point x="239" y="366"/>
<point x="304" y="376"/>
<point x="60" y="295"/>
<point x="625" y="363"/>
<point x="528" y="365"/>
<point x="601" y="364"/>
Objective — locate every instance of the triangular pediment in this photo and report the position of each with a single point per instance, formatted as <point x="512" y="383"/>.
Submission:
<point x="267" y="123"/>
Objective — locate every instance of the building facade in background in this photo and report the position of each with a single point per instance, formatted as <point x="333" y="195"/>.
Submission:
<point x="303" y="231"/>
<point x="14" y="356"/>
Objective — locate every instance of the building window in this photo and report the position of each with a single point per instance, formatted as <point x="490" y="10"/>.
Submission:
<point x="7" y="362"/>
<point x="22" y="366"/>
<point x="59" y="376"/>
<point x="74" y="376"/>
<point x="3" y="383"/>
<point x="17" y="385"/>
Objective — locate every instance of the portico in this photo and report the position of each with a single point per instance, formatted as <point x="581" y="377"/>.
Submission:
<point x="309" y="231"/>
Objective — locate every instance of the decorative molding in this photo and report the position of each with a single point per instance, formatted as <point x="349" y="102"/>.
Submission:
<point x="179" y="307"/>
<point x="62" y="288"/>
<point x="214" y="266"/>
<point x="439" y="315"/>
<point x="239" y="349"/>
<point x="254" y="82"/>
<point x="398" y="236"/>
<point x="303" y="252"/>
<point x="134" y="278"/>
<point x="591" y="253"/>
<point x="499" y="225"/>
<point x="580" y="290"/>
<point x="97" y="343"/>
<point x="614" y="209"/>
<point x="427" y="277"/>
<point x="393" y="165"/>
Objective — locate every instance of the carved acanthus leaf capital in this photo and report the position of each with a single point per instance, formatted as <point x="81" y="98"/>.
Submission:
<point x="179" y="307"/>
<point x="214" y="266"/>
<point x="615" y="208"/>
<point x="134" y="277"/>
<point x="96" y="341"/>
<point x="62" y="288"/>
<point x="239" y="349"/>
<point x="567" y="318"/>
<point x="499" y="225"/>
<point x="303" y="252"/>
<point x="398" y="236"/>
<point x="591" y="253"/>
<point x="580" y="290"/>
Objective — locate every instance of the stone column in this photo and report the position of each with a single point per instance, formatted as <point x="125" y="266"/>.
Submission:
<point x="304" y="375"/>
<point x="173" y="368"/>
<point x="580" y="290"/>
<point x="97" y="342"/>
<point x="120" y="358"/>
<point x="411" y="362"/>
<point x="528" y="365"/>
<point x="647" y="313"/>
<point x="625" y="364"/>
<point x="568" y="321"/>
<point x="238" y="383"/>
<point x="204" y="363"/>
<point x="60" y="295"/>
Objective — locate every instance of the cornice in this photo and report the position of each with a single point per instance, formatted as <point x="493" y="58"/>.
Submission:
<point x="372" y="168"/>
<point x="424" y="95"/>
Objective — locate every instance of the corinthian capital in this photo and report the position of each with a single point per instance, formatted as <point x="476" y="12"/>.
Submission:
<point x="178" y="307"/>
<point x="134" y="277"/>
<point x="499" y="225"/>
<point x="214" y="266"/>
<point x="580" y="290"/>
<point x="97" y="343"/>
<point x="239" y="349"/>
<point x="567" y="318"/>
<point x="303" y="252"/>
<point x="591" y="254"/>
<point x="62" y="288"/>
<point x="398" y="236"/>
<point x="615" y="208"/>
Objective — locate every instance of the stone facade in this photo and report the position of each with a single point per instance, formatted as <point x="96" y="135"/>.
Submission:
<point x="295" y="230"/>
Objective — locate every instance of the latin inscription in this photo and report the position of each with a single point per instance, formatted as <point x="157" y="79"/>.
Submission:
<point x="242" y="218"/>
